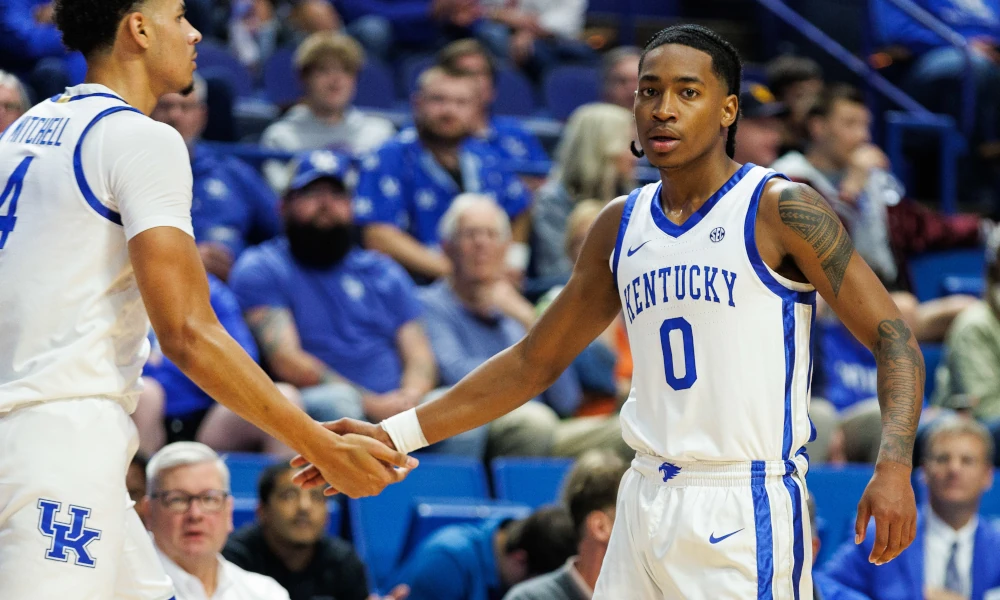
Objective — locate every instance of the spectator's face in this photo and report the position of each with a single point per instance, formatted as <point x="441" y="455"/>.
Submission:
<point x="758" y="141"/>
<point x="622" y="81"/>
<point x="10" y="107"/>
<point x="479" y="68"/>
<point x="845" y="130"/>
<point x="294" y="515"/>
<point x="683" y="109"/>
<point x="479" y="246"/>
<point x="957" y="471"/>
<point x="200" y="531"/>
<point x="446" y="107"/>
<point x="323" y="204"/>
<point x="330" y="86"/>
<point x="799" y="98"/>
<point x="170" y="57"/>
<point x="184" y="113"/>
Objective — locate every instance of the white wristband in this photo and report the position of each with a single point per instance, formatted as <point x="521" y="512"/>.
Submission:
<point x="405" y="432"/>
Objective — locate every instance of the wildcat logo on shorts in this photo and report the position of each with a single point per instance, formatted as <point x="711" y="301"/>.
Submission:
<point x="74" y="535"/>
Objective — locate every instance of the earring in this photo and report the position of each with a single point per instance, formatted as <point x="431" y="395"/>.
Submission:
<point x="636" y="152"/>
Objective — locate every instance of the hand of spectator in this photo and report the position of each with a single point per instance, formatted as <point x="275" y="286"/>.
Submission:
<point x="217" y="258"/>
<point x="378" y="407"/>
<point x="939" y="594"/>
<point x="400" y="592"/>
<point x="889" y="498"/>
<point x="310" y="476"/>
<point x="352" y="464"/>
<point x="505" y="298"/>
<point x="863" y="160"/>
<point x="522" y="46"/>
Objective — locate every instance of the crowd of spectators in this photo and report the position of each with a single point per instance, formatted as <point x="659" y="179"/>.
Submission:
<point x="387" y="261"/>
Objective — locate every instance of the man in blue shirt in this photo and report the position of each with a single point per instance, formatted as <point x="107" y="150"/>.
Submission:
<point x="954" y="554"/>
<point x="476" y="313"/>
<point x="336" y="321"/>
<point x="409" y="183"/>
<point x="232" y="206"/>
<point x="31" y="47"/>
<point x="481" y="562"/>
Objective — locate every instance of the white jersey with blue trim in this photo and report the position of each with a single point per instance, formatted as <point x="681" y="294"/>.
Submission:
<point x="80" y="174"/>
<point x="720" y="342"/>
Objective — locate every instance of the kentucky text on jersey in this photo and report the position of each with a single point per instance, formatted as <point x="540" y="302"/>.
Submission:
<point x="40" y="131"/>
<point x="694" y="283"/>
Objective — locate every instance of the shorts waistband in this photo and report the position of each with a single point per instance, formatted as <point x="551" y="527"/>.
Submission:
<point x="720" y="474"/>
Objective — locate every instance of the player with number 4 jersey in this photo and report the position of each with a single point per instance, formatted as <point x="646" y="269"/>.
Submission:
<point x="715" y="268"/>
<point x="95" y="244"/>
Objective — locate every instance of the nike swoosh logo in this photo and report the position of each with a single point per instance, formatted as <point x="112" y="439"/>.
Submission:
<point x="632" y="251"/>
<point x="715" y="540"/>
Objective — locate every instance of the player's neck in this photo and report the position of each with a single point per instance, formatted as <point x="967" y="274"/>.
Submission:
<point x="128" y="80"/>
<point x="686" y="188"/>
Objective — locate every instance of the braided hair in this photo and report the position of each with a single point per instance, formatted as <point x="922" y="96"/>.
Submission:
<point x="726" y="63"/>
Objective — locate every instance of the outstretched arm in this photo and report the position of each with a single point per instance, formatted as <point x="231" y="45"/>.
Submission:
<point x="807" y="239"/>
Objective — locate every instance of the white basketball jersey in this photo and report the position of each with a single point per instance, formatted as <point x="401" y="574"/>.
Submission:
<point x="72" y="322"/>
<point x="720" y="342"/>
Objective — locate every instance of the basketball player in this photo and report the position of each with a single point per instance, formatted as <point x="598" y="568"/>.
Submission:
<point x="716" y="268"/>
<point x="95" y="231"/>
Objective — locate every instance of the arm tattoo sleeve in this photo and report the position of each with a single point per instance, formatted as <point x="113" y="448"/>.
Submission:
<point x="901" y="375"/>
<point x="807" y="214"/>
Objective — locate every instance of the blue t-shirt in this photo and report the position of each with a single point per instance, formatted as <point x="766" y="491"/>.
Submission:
<point x="404" y="185"/>
<point x="455" y="563"/>
<point x="508" y="138"/>
<point x="970" y="18"/>
<point x="231" y="203"/>
<point x="183" y="397"/>
<point x="347" y="316"/>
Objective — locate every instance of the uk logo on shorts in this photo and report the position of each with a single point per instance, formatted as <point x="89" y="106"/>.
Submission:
<point x="75" y="535"/>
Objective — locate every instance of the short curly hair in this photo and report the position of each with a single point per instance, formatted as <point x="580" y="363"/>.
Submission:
<point x="91" y="25"/>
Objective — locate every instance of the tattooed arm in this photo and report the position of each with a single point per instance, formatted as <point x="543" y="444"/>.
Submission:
<point x="280" y="348"/>
<point x="801" y="237"/>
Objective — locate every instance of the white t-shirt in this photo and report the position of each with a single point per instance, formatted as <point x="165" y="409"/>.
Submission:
<point x="83" y="173"/>
<point x="233" y="583"/>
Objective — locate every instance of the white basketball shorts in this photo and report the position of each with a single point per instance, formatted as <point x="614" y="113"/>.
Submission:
<point x="67" y="525"/>
<point x="709" y="531"/>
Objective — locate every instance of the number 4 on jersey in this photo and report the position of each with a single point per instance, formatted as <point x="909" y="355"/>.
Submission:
<point x="12" y="191"/>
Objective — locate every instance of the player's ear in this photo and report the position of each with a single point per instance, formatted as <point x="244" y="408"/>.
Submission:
<point x="730" y="110"/>
<point x="136" y="28"/>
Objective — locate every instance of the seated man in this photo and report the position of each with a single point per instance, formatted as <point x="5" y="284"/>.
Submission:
<point x="232" y="207"/>
<point x="972" y="354"/>
<point x="189" y="511"/>
<point x="336" y="321"/>
<point x="954" y="553"/>
<point x="476" y="313"/>
<point x="289" y="543"/>
<point x="590" y="494"/>
<point x="328" y="65"/>
<point x="824" y="586"/>
<point x="852" y="175"/>
<point x="480" y="562"/>
<point x="409" y="183"/>
<point x="796" y="82"/>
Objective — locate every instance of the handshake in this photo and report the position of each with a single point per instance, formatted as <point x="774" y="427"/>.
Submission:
<point x="361" y="460"/>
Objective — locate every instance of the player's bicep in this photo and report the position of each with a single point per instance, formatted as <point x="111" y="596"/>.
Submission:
<point x="274" y="329"/>
<point x="172" y="281"/>
<point x="814" y="237"/>
<point x="588" y="303"/>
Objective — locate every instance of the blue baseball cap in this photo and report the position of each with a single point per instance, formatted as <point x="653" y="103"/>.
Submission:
<point x="321" y="164"/>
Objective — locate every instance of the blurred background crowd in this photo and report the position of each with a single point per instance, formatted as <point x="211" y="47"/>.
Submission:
<point x="389" y="192"/>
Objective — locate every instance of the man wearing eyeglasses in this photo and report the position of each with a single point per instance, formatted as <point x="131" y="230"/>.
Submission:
<point x="190" y="514"/>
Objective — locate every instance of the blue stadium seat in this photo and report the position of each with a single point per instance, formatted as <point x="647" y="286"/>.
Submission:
<point x="569" y="86"/>
<point x="281" y="82"/>
<point x="375" y="88"/>
<point x="411" y="69"/>
<point x="244" y="471"/>
<point x="514" y="94"/>
<point x="929" y="271"/>
<point x="216" y="60"/>
<point x="964" y="284"/>
<point x="245" y="511"/>
<point x="531" y="481"/>
<point x="379" y="524"/>
<point x="933" y="353"/>
<point x="837" y="491"/>
<point x="431" y="514"/>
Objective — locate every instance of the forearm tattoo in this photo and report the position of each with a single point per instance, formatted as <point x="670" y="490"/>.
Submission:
<point x="811" y="218"/>
<point x="901" y="375"/>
